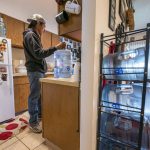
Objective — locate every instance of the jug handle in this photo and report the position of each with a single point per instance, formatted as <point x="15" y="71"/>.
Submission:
<point x="126" y="53"/>
<point x="75" y="1"/>
<point x="125" y="89"/>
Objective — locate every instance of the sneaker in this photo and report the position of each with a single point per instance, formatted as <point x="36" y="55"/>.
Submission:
<point x="36" y="128"/>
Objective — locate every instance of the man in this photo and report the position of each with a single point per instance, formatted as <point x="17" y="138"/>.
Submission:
<point x="36" y="66"/>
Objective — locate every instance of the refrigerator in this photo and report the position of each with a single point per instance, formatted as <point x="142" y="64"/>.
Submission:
<point x="7" y="110"/>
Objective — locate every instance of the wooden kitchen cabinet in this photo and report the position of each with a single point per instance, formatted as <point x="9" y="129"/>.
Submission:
<point x="14" y="30"/>
<point x="46" y="39"/>
<point x="26" y="26"/>
<point x="72" y="28"/>
<point x="21" y="93"/>
<point x="76" y="35"/>
<point x="55" y="39"/>
<point x="60" y="111"/>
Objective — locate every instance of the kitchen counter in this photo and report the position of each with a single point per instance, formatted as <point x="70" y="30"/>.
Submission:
<point x="25" y="74"/>
<point x="19" y="74"/>
<point x="61" y="81"/>
<point x="61" y="112"/>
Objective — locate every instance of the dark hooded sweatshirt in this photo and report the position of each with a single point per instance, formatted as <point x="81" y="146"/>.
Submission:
<point x="34" y="52"/>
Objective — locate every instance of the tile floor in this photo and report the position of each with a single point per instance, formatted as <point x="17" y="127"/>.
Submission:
<point x="27" y="140"/>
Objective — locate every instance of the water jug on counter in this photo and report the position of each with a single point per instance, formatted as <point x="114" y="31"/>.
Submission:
<point x="63" y="64"/>
<point x="121" y="122"/>
<point x="128" y="65"/>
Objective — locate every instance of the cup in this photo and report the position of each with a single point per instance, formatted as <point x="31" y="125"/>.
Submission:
<point x="62" y="17"/>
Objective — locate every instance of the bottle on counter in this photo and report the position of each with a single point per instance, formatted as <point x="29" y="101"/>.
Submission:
<point x="2" y="28"/>
<point x="76" y="72"/>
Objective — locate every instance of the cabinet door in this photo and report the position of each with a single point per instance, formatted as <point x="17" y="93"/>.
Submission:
<point x="55" y="39"/>
<point x="60" y="111"/>
<point x="24" y="93"/>
<point x="14" y="30"/>
<point x="17" y="98"/>
<point x="21" y="92"/>
<point x="46" y="40"/>
<point x="74" y="23"/>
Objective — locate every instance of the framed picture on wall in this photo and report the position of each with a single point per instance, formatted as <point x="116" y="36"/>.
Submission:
<point x="122" y="10"/>
<point x="112" y="14"/>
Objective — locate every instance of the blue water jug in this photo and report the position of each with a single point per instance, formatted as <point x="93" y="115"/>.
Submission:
<point x="63" y="64"/>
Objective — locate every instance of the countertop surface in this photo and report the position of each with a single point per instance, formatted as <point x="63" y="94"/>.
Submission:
<point x="61" y="81"/>
<point x="25" y="74"/>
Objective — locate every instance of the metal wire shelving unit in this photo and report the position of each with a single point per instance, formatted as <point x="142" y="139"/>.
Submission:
<point x="112" y="142"/>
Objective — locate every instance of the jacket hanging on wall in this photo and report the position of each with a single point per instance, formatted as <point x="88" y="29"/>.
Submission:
<point x="73" y="7"/>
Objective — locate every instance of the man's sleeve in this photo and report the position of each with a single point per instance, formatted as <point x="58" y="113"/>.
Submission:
<point x="34" y="45"/>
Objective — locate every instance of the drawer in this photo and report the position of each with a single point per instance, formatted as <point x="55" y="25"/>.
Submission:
<point x="21" y="80"/>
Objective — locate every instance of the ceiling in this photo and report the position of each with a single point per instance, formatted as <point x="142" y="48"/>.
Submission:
<point x="142" y="13"/>
<point x="22" y="9"/>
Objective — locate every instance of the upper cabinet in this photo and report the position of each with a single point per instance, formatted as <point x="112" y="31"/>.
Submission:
<point x="76" y="35"/>
<point x="55" y="39"/>
<point x="26" y="26"/>
<point x="72" y="28"/>
<point x="14" y="30"/>
<point x="46" y="40"/>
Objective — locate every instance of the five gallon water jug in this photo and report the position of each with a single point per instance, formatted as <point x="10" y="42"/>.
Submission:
<point x="122" y="122"/>
<point x="126" y="94"/>
<point x="128" y="65"/>
<point x="63" y="66"/>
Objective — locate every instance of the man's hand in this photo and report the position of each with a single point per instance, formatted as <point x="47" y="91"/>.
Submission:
<point x="61" y="45"/>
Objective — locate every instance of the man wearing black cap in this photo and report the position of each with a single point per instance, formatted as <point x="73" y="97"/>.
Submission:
<point x="36" y="66"/>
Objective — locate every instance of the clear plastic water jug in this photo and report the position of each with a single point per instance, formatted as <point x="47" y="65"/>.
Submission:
<point x="121" y="122"/>
<point x="128" y="65"/>
<point x="63" y="65"/>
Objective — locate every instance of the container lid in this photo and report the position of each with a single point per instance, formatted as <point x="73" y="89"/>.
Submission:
<point x="66" y="51"/>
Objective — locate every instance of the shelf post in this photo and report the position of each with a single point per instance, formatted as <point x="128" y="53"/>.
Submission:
<point x="144" y="87"/>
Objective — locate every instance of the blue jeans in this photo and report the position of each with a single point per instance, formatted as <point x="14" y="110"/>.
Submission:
<point x="34" y="99"/>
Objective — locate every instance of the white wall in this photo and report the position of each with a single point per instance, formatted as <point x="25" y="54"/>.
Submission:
<point x="92" y="26"/>
<point x="87" y="75"/>
<point x="22" y="9"/>
<point x="142" y="13"/>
